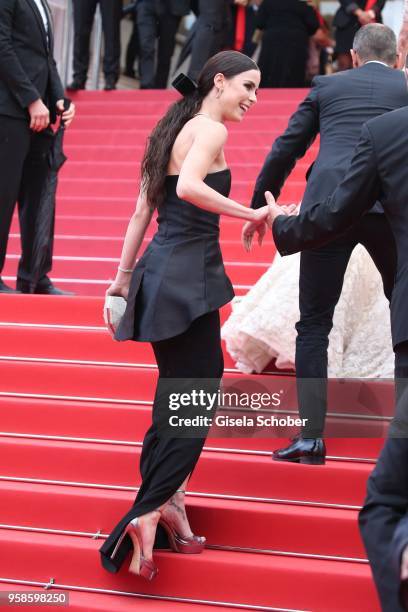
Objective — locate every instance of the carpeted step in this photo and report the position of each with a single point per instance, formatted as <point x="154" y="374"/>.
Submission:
<point x="95" y="600"/>
<point x="290" y="529"/>
<point x="131" y="136"/>
<point x="108" y="421"/>
<point x="138" y="107"/>
<point x="101" y="249"/>
<point x="241" y="191"/>
<point x="94" y="269"/>
<point x="121" y="170"/>
<point x="232" y="577"/>
<point x="132" y="153"/>
<point x="128" y="384"/>
<point x="223" y="473"/>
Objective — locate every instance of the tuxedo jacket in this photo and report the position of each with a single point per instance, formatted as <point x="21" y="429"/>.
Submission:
<point x="378" y="171"/>
<point x="384" y="520"/>
<point x="345" y="14"/>
<point x="336" y="107"/>
<point x="27" y="67"/>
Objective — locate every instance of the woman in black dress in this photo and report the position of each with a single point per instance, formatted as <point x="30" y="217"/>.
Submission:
<point x="174" y="292"/>
<point x="287" y="26"/>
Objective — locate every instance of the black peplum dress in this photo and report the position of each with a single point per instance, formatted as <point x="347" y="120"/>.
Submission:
<point x="176" y="289"/>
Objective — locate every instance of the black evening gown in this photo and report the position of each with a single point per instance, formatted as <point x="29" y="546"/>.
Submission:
<point x="176" y="290"/>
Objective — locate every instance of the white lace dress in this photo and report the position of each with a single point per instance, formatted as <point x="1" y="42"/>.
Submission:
<point x="262" y="324"/>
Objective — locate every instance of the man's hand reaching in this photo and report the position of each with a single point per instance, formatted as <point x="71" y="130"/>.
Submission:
<point x="259" y="226"/>
<point x="276" y="211"/>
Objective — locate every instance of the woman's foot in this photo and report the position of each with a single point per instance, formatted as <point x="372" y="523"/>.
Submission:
<point x="142" y="531"/>
<point x="174" y="513"/>
<point x="175" y="522"/>
<point x="148" y="526"/>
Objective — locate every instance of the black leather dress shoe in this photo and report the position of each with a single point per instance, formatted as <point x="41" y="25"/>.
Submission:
<point x="43" y="288"/>
<point x="311" y="451"/>
<point x="6" y="289"/>
<point x="51" y="289"/>
<point x="76" y="85"/>
<point x="110" y="84"/>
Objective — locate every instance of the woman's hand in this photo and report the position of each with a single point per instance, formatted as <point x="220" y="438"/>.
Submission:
<point x="248" y="232"/>
<point x="120" y="285"/>
<point x="260" y="214"/>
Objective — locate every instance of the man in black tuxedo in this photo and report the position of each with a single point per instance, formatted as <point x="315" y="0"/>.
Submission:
<point x="84" y="14"/>
<point x="384" y="523"/>
<point x="158" y="20"/>
<point x="377" y="172"/>
<point x="30" y="95"/>
<point x="336" y="107"/>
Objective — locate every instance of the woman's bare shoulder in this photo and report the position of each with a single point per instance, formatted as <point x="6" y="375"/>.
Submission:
<point x="208" y="128"/>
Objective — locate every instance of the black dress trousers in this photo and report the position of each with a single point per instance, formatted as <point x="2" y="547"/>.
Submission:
<point x="320" y="284"/>
<point x="156" y="25"/>
<point x="24" y="169"/>
<point x="166" y="461"/>
<point x="84" y="13"/>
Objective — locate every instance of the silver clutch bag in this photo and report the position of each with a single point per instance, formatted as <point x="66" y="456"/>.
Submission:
<point x="113" y="311"/>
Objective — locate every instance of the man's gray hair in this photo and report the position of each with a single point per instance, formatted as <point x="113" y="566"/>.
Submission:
<point x="376" y="42"/>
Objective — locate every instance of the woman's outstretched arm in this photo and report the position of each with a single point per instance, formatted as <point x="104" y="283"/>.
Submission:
<point x="207" y="146"/>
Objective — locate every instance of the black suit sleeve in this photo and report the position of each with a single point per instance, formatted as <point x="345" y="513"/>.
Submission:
<point x="11" y="71"/>
<point x="287" y="149"/>
<point x="383" y="518"/>
<point x="56" y="87"/>
<point x="324" y="221"/>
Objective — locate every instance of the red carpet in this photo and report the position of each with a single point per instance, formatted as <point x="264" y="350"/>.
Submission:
<point x="74" y="406"/>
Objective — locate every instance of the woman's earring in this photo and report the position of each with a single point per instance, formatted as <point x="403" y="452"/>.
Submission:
<point x="219" y="92"/>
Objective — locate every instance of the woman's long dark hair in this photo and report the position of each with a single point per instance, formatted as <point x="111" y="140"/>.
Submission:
<point x="160" y="143"/>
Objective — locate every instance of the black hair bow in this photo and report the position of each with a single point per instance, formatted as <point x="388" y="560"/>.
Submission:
<point x="184" y="84"/>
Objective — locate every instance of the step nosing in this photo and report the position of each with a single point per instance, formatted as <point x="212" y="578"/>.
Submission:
<point x="145" y="402"/>
<point x="119" y="364"/>
<point x="195" y="494"/>
<point x="139" y="443"/>
<point x="98" y="535"/>
<point x="51" y="584"/>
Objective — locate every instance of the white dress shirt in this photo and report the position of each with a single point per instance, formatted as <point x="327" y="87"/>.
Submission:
<point x="43" y="14"/>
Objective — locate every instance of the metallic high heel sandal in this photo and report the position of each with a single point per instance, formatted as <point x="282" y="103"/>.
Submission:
<point x="191" y="545"/>
<point x="138" y="565"/>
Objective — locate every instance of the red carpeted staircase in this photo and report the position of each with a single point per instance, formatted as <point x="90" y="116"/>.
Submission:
<point x="74" y="406"/>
